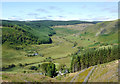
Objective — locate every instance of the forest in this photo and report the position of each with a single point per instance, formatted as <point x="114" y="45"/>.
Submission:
<point x="20" y="33"/>
<point x="92" y="57"/>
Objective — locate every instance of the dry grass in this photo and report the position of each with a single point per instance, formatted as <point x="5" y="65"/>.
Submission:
<point x="21" y="77"/>
<point x="83" y="75"/>
<point x="107" y="72"/>
<point x="70" y="76"/>
<point x="76" y="27"/>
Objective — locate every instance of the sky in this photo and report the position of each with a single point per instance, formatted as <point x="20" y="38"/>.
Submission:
<point x="87" y="11"/>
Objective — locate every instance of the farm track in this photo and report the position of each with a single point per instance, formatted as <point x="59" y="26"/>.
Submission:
<point x="46" y="61"/>
<point x="85" y="80"/>
<point x="87" y="77"/>
<point x="77" y="75"/>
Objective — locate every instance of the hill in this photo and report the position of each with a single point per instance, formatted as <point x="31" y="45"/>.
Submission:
<point x="103" y="31"/>
<point x="107" y="72"/>
<point x="31" y="32"/>
<point x="16" y="32"/>
<point x="56" y="23"/>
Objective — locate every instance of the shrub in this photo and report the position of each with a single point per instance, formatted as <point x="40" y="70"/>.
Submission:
<point x="20" y="65"/>
<point x="33" y="68"/>
<point x="38" y="65"/>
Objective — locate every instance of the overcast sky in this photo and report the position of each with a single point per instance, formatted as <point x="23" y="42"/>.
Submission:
<point x="89" y="11"/>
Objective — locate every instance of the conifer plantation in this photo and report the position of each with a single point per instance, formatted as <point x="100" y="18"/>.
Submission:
<point x="92" y="57"/>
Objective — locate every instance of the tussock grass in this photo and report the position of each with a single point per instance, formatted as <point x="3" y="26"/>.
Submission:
<point x="107" y="72"/>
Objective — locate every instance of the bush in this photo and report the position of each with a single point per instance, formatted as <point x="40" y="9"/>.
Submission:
<point x="38" y="65"/>
<point x="24" y="71"/>
<point x="20" y="65"/>
<point x="26" y="64"/>
<point x="8" y="67"/>
<point x="33" y="68"/>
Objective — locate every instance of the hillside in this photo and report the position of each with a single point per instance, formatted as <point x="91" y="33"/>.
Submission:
<point x="39" y="31"/>
<point x="103" y="31"/>
<point x="107" y="72"/>
<point x="28" y="77"/>
<point x="57" y="23"/>
<point x="22" y="33"/>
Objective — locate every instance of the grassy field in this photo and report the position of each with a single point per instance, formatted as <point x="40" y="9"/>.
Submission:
<point x="21" y="77"/>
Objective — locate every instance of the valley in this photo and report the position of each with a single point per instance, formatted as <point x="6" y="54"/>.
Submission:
<point x="67" y="41"/>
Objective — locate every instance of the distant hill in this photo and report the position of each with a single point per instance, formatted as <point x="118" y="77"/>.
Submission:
<point x="55" y="23"/>
<point x="103" y="31"/>
<point x="31" y="32"/>
<point x="102" y="28"/>
<point x="20" y="32"/>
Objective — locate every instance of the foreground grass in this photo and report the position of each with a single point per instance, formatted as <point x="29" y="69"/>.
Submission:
<point x="21" y="77"/>
<point x="83" y="75"/>
<point x="67" y="77"/>
<point x="107" y="72"/>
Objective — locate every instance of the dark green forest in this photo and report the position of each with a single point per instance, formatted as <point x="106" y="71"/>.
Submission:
<point x="91" y="57"/>
<point x="21" y="33"/>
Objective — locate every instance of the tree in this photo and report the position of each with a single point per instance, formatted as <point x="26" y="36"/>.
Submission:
<point x="49" y="69"/>
<point x="33" y="68"/>
<point x="93" y="57"/>
<point x="75" y="44"/>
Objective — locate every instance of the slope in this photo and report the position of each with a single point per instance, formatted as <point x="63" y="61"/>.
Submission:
<point x="38" y="32"/>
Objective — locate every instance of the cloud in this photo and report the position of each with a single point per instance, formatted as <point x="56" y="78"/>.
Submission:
<point x="98" y="18"/>
<point x="55" y="8"/>
<point x="49" y="16"/>
<point x="103" y="18"/>
<point x="31" y="19"/>
<point x="61" y="16"/>
<point x="15" y="18"/>
<point x="111" y="10"/>
<point x="32" y="14"/>
<point x="41" y="18"/>
<point x="84" y="6"/>
<point x="42" y="10"/>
